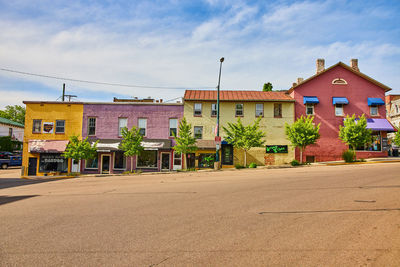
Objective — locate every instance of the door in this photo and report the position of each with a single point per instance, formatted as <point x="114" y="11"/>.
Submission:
<point x="227" y="155"/>
<point x="190" y="160"/>
<point x="32" y="166"/>
<point x="105" y="164"/>
<point x="177" y="161"/>
<point x="165" y="163"/>
<point x="75" y="165"/>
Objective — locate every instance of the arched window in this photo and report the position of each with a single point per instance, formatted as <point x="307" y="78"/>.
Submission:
<point x="339" y="81"/>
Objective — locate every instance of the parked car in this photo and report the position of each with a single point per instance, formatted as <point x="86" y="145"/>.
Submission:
<point x="10" y="161"/>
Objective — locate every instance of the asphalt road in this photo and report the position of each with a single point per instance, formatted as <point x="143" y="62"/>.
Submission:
<point x="309" y="216"/>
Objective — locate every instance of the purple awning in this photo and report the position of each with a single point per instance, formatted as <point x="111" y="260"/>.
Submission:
<point x="380" y="125"/>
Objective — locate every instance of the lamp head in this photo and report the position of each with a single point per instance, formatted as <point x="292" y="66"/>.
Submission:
<point x="221" y="60"/>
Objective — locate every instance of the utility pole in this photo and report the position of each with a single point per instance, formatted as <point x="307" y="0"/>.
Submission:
<point x="217" y="138"/>
<point x="63" y="95"/>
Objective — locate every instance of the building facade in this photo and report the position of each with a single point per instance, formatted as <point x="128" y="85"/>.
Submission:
<point x="11" y="128"/>
<point x="274" y="108"/>
<point x="156" y="121"/>
<point x="329" y="96"/>
<point x="48" y="128"/>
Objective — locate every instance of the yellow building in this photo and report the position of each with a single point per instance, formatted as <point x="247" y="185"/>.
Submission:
<point x="48" y="126"/>
<point x="274" y="108"/>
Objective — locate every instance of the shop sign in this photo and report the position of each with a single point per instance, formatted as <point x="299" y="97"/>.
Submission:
<point x="48" y="127"/>
<point x="277" y="149"/>
<point x="385" y="145"/>
<point x="52" y="158"/>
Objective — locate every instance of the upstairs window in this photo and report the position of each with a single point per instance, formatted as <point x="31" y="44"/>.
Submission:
<point x="309" y="109"/>
<point x="373" y="110"/>
<point x="91" y="126"/>
<point x="239" y="110"/>
<point x="277" y="110"/>
<point x="142" y="126"/>
<point x="213" y="110"/>
<point x="36" y="127"/>
<point x="122" y="123"/>
<point x="173" y="127"/>
<point x="60" y="126"/>
<point x="198" y="132"/>
<point x="197" y="109"/>
<point x="259" y="110"/>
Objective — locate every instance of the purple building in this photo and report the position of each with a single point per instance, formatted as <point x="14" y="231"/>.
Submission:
<point x="156" y="121"/>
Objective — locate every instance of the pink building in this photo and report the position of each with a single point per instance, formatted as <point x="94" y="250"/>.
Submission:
<point x="329" y="96"/>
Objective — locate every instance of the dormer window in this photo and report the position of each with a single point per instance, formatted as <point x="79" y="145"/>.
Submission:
<point x="339" y="81"/>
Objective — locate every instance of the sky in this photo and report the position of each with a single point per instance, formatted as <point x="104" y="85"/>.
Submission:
<point x="176" y="45"/>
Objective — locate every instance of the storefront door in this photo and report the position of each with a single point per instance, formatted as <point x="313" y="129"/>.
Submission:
<point x="190" y="160"/>
<point x="105" y="163"/>
<point x="32" y="167"/>
<point x="165" y="163"/>
<point x="227" y="155"/>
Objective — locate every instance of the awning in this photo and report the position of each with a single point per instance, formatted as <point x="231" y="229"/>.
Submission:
<point x="340" y="100"/>
<point x="206" y="144"/>
<point x="310" y="100"/>
<point x="47" y="146"/>
<point x="375" y="102"/>
<point x="107" y="145"/>
<point x="156" y="144"/>
<point x="380" y="125"/>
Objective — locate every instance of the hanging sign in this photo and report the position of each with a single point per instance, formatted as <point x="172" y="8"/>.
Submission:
<point x="48" y="127"/>
<point x="277" y="149"/>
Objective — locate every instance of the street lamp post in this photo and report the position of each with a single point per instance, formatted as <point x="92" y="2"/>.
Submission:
<point x="219" y="82"/>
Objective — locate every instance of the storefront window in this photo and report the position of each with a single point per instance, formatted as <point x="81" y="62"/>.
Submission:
<point x="119" y="160"/>
<point x="147" y="159"/>
<point x="374" y="145"/>
<point x="53" y="163"/>
<point x="206" y="160"/>
<point x="91" y="163"/>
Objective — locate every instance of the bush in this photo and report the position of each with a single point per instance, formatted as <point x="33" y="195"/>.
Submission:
<point x="74" y="174"/>
<point x="239" y="166"/>
<point x="295" y="163"/>
<point x="349" y="155"/>
<point x="362" y="160"/>
<point x="253" y="165"/>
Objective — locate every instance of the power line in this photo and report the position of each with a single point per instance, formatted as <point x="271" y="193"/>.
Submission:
<point x="101" y="83"/>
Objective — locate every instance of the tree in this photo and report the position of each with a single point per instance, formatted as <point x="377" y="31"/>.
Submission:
<point x="355" y="132"/>
<point x="267" y="87"/>
<point x="131" y="143"/>
<point x="396" y="139"/>
<point x="244" y="137"/>
<point x="302" y="132"/>
<point x="15" y="113"/>
<point x="184" y="141"/>
<point x="80" y="149"/>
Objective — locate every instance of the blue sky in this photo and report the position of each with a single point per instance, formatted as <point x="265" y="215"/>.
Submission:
<point x="178" y="44"/>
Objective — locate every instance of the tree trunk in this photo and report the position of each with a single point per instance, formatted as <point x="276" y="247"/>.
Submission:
<point x="245" y="158"/>
<point x="301" y="155"/>
<point x="132" y="163"/>
<point x="184" y="161"/>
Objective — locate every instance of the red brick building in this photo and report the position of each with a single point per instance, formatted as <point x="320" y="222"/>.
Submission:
<point x="329" y="96"/>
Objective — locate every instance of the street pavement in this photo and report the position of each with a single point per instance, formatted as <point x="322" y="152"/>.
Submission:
<point x="308" y="216"/>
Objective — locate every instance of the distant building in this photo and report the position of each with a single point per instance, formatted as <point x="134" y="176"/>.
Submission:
<point x="11" y="128"/>
<point x="329" y="96"/>
<point x="393" y="111"/>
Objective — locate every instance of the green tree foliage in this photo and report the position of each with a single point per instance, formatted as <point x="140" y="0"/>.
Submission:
<point x="80" y="149"/>
<point x="302" y="132"/>
<point x="267" y="87"/>
<point x="355" y="132"/>
<point x="244" y="137"/>
<point x="184" y="141"/>
<point x="15" y="113"/>
<point x="396" y="139"/>
<point x="131" y="143"/>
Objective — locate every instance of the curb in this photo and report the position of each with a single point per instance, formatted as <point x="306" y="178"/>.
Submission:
<point x="355" y="163"/>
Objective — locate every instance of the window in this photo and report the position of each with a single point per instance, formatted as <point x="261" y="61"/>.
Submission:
<point x="197" y="109"/>
<point x="373" y="110"/>
<point x="239" y="110"/>
<point x="339" y="110"/>
<point x="36" y="126"/>
<point x="339" y="81"/>
<point x="177" y="159"/>
<point x="147" y="159"/>
<point x="375" y="144"/>
<point x="309" y="109"/>
<point x="213" y="109"/>
<point x="142" y="126"/>
<point x="122" y="123"/>
<point x="277" y="110"/>
<point x="173" y="127"/>
<point x="52" y="162"/>
<point x="203" y="163"/>
<point x="91" y="126"/>
<point x="91" y="163"/>
<point x="198" y="132"/>
<point x="119" y="160"/>
<point x="259" y="110"/>
<point x="10" y="132"/>
<point x="60" y="126"/>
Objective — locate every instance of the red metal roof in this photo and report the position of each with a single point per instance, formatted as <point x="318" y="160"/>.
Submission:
<point x="230" y="95"/>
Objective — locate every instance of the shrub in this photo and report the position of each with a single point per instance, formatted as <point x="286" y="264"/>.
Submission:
<point x="253" y="165"/>
<point x="239" y="166"/>
<point x="295" y="163"/>
<point x="362" y="160"/>
<point x="74" y="174"/>
<point x="349" y="155"/>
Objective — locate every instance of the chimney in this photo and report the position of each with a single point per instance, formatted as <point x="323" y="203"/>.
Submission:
<point x="294" y="84"/>
<point x="161" y="100"/>
<point x="299" y="80"/>
<point x="354" y="64"/>
<point x="320" y="65"/>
